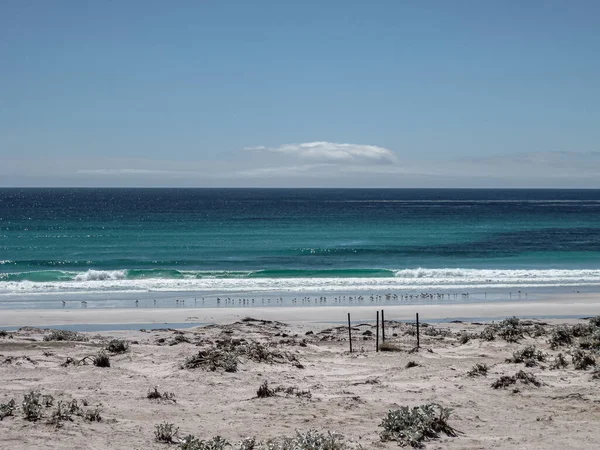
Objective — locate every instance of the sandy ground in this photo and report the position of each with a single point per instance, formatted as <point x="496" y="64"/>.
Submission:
<point x="350" y="393"/>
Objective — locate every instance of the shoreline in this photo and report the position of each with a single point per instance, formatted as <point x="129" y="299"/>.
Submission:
<point x="579" y="305"/>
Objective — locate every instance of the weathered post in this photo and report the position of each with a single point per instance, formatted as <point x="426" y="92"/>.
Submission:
<point x="418" y="336"/>
<point x="382" y="327"/>
<point x="377" y="334"/>
<point x="350" y="332"/>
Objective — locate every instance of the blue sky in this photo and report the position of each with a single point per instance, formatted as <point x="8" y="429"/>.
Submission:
<point x="312" y="93"/>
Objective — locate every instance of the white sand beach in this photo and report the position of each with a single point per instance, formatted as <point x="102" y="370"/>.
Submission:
<point x="349" y="393"/>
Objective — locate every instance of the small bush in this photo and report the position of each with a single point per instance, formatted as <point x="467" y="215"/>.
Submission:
<point x="478" y="369"/>
<point x="7" y="409"/>
<point x="92" y="415"/>
<point x="213" y="360"/>
<point x="154" y="394"/>
<point x="510" y="330"/>
<point x="524" y="377"/>
<point x="193" y="443"/>
<point x="65" y="335"/>
<point x="32" y="406"/>
<point x="165" y="432"/>
<point x="264" y="391"/>
<point x="529" y="355"/>
<point x="463" y="338"/>
<point x="102" y="360"/>
<point x="561" y="336"/>
<point x="117" y="346"/>
<point x="582" y="360"/>
<point x="595" y="321"/>
<point x="3" y="333"/>
<point x="411" y="364"/>
<point x="413" y="426"/>
<point x="489" y="332"/>
<point x="559" y="362"/>
<point x="64" y="412"/>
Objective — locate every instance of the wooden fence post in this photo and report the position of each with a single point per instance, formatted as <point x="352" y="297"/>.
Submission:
<point x="382" y="327"/>
<point x="418" y="337"/>
<point x="350" y="332"/>
<point x="377" y="334"/>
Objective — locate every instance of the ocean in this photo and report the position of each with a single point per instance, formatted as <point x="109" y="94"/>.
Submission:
<point x="110" y="246"/>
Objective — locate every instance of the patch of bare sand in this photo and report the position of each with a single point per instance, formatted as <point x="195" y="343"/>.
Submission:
<point x="350" y="393"/>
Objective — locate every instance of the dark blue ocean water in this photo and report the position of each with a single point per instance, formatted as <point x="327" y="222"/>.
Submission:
<point x="288" y="240"/>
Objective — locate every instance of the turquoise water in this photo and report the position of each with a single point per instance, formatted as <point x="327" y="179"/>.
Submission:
<point x="220" y="241"/>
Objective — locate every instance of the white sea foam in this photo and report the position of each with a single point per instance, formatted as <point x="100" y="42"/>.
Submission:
<point x="101" y="275"/>
<point x="405" y="280"/>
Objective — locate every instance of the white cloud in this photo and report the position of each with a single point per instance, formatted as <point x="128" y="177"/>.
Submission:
<point x="333" y="152"/>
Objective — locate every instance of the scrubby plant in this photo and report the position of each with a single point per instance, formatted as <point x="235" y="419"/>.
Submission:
<point x="117" y="346"/>
<point x="264" y="391"/>
<point x="293" y="390"/>
<point x="92" y="415"/>
<point x="212" y="360"/>
<point x="64" y="412"/>
<point x="165" y="432"/>
<point x="154" y="394"/>
<point x="65" y="335"/>
<point x="489" y="332"/>
<point x="510" y="329"/>
<point x="595" y="321"/>
<point x="591" y="341"/>
<point x="411" y="364"/>
<point x="193" y="443"/>
<point x="101" y="360"/>
<point x="32" y="406"/>
<point x="559" y="362"/>
<point x="463" y="338"/>
<point x="479" y="369"/>
<point x="3" y="333"/>
<point x="582" y="360"/>
<point x="529" y="355"/>
<point x="7" y="409"/>
<point x="509" y="380"/>
<point x="561" y="336"/>
<point x="414" y="426"/>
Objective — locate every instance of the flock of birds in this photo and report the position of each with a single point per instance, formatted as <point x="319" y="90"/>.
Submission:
<point x="308" y="300"/>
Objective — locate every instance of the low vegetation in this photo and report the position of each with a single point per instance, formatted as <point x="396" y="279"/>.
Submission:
<point x="582" y="360"/>
<point x="166" y="432"/>
<point x="413" y="426"/>
<point x="117" y="346"/>
<point x="509" y="380"/>
<point x="155" y="394"/>
<point x="530" y="356"/>
<point x="65" y="335"/>
<point x="478" y="370"/>
<point x="7" y="409"/>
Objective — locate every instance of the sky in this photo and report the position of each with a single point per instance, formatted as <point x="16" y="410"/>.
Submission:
<point x="327" y="93"/>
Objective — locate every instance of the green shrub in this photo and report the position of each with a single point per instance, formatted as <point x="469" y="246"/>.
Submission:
<point x="478" y="369"/>
<point x="413" y="426"/>
<point x="117" y="346"/>
<point x="7" y="409"/>
<point x="65" y="335"/>
<point x="524" y="377"/>
<point x="561" y="336"/>
<point x="264" y="391"/>
<point x="32" y="406"/>
<point x="582" y="360"/>
<point x="529" y="355"/>
<point x="102" y="360"/>
<point x="154" y="394"/>
<point x="559" y="362"/>
<point x="193" y="443"/>
<point x="165" y="432"/>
